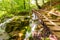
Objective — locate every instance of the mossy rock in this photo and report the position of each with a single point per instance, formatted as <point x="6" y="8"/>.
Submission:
<point x="16" y="24"/>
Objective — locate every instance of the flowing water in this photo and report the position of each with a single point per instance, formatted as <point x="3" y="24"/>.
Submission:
<point x="3" y="34"/>
<point x="33" y="25"/>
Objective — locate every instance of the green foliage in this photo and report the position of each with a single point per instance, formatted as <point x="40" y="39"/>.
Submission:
<point x="13" y="6"/>
<point x="10" y="8"/>
<point x="4" y="16"/>
<point x="58" y="7"/>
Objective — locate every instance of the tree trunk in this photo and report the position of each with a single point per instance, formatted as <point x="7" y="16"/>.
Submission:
<point x="43" y="1"/>
<point x="24" y="5"/>
<point x="37" y="4"/>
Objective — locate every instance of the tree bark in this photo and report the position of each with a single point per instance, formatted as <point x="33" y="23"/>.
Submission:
<point x="37" y="4"/>
<point x="24" y="5"/>
<point x="43" y="1"/>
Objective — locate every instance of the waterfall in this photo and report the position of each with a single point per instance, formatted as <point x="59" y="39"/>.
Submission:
<point x="33" y="25"/>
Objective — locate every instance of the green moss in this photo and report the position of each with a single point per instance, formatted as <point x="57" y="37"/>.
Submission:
<point x="58" y="7"/>
<point x="17" y="25"/>
<point x="54" y="17"/>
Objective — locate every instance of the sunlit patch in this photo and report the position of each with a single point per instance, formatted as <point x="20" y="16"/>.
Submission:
<point x="20" y="34"/>
<point x="33" y="1"/>
<point x="0" y="0"/>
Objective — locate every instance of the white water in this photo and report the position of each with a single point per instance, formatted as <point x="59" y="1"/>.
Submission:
<point x="33" y="25"/>
<point x="3" y="34"/>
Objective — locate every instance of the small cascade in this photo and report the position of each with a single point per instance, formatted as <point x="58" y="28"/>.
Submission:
<point x="33" y="25"/>
<point x="3" y="34"/>
<point x="3" y="25"/>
